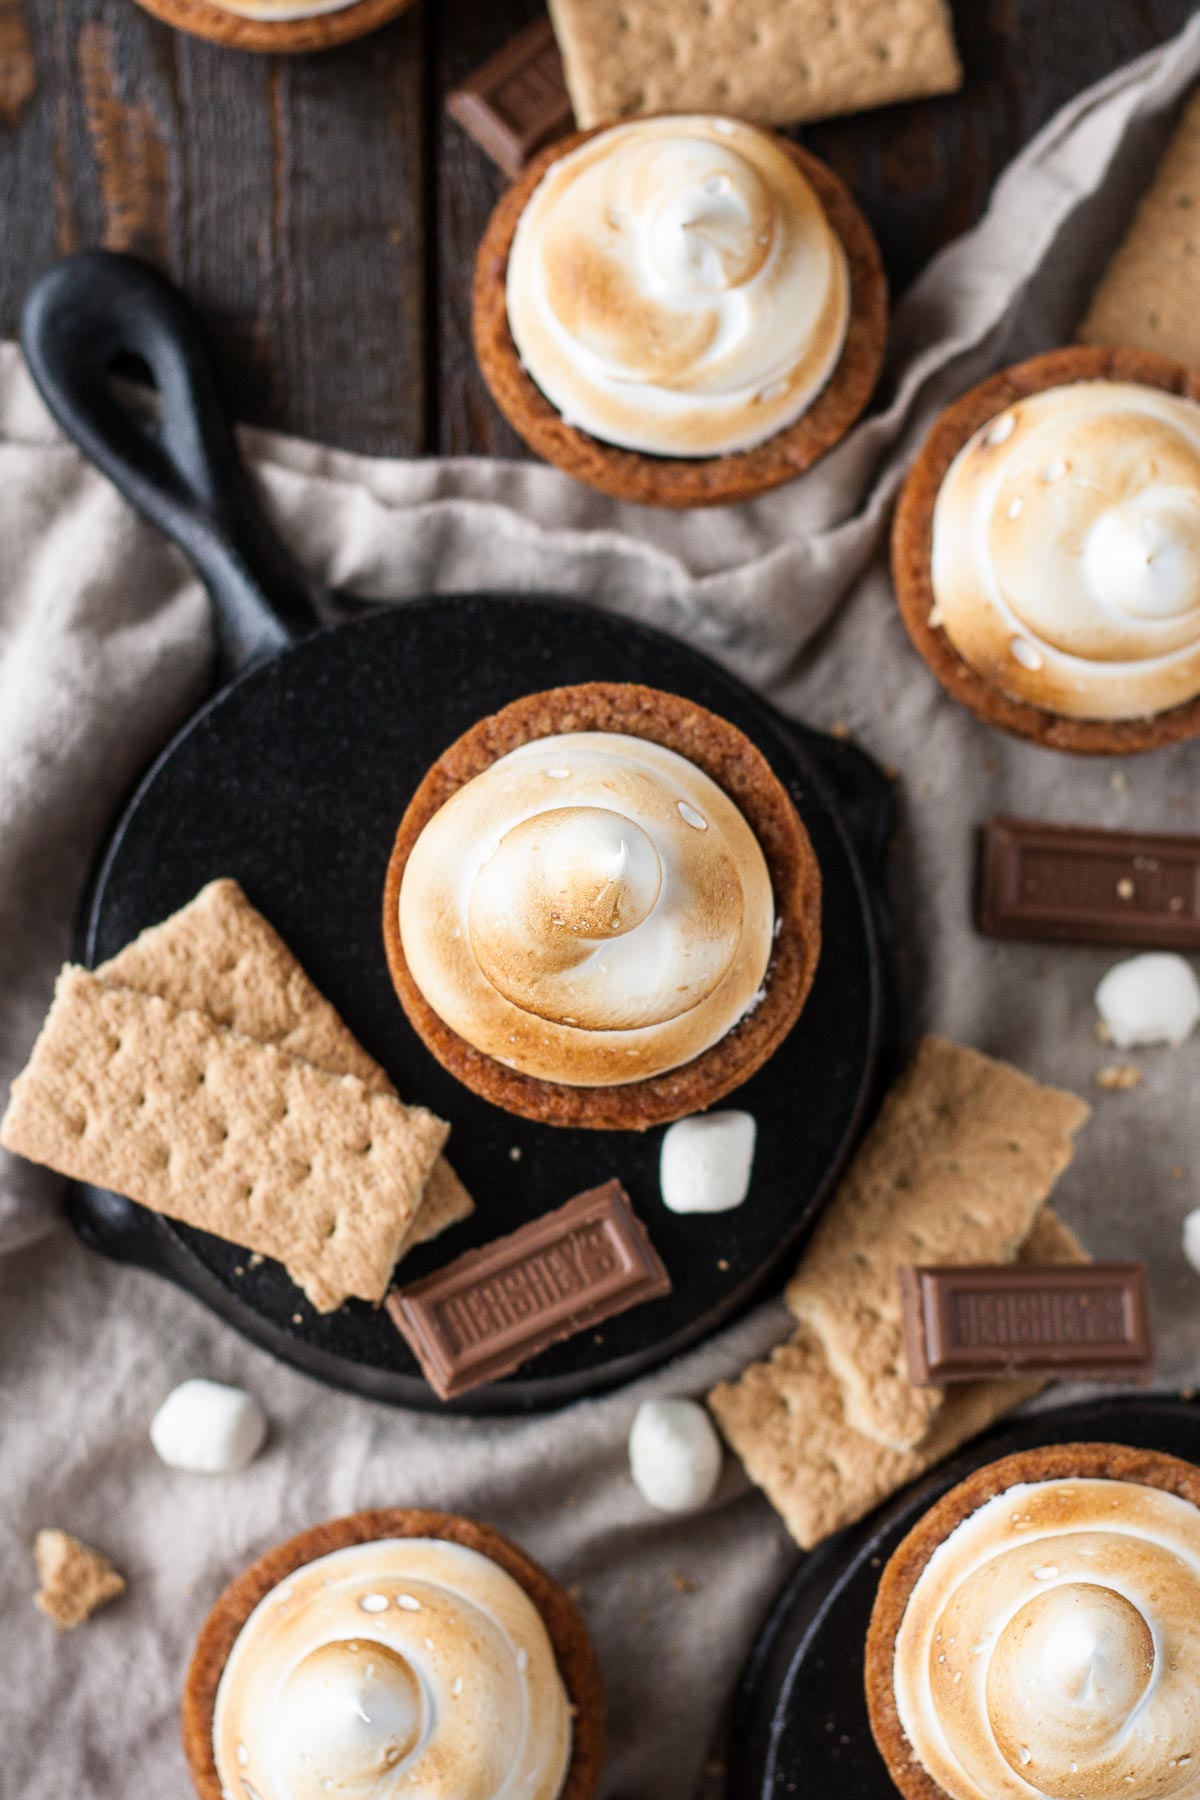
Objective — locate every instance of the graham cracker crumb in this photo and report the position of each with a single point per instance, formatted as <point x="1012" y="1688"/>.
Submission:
<point x="1119" y="1077"/>
<point x="75" y="1579"/>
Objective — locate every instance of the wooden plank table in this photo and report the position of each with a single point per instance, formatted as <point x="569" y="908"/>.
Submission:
<point x="324" y="212"/>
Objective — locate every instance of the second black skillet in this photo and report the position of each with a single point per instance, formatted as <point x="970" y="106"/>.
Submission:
<point x="292" y="779"/>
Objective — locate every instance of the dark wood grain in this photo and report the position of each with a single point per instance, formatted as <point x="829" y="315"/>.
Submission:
<point x="323" y="211"/>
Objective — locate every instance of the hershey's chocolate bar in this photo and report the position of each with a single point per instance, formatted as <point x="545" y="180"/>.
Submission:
<point x="1067" y="882"/>
<point x="484" y="1315"/>
<point x="517" y="103"/>
<point x="1089" y="1322"/>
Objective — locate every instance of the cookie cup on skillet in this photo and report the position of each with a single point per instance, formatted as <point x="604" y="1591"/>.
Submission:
<point x="717" y="754"/>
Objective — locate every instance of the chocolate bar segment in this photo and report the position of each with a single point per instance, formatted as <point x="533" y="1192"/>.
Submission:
<point x="988" y="1322"/>
<point x="1083" y="886"/>
<point x="484" y="1315"/>
<point x="518" y="102"/>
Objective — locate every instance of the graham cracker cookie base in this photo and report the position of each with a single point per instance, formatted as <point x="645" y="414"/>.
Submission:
<point x="785" y="1419"/>
<point x="912" y="546"/>
<point x="1149" y="296"/>
<point x="1056" y="1462"/>
<point x="781" y="62"/>
<point x="275" y="36"/>
<point x="577" y="1662"/>
<point x="736" y="765"/>
<point x="955" y="1169"/>
<point x="193" y="1121"/>
<point x="684" y="481"/>
<point x="218" y="955"/>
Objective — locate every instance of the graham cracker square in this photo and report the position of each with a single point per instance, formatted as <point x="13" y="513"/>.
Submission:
<point x="1149" y="296"/>
<point x="778" y="62"/>
<point x="220" y="1132"/>
<point x="218" y="955"/>
<point x="786" y="1419"/>
<point x="956" y="1167"/>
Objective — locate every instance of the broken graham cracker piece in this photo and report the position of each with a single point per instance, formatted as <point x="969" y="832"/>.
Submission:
<point x="218" y="955"/>
<point x="75" y="1579"/>
<point x="779" y="62"/>
<point x="962" y="1156"/>
<point x="785" y="1419"/>
<point x="220" y="1132"/>
<point x="1149" y="296"/>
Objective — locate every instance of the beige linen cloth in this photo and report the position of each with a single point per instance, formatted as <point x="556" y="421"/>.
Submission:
<point x="104" y="646"/>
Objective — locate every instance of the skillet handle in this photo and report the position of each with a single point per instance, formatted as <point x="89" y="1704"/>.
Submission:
<point x="182" y="472"/>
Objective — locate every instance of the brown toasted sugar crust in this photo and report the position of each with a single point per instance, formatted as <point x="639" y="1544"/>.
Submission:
<point x="733" y="762"/>
<point x="912" y="546"/>
<point x="1057" y="1462"/>
<point x="280" y="36"/>
<point x="684" y="481"/>
<point x="577" y="1662"/>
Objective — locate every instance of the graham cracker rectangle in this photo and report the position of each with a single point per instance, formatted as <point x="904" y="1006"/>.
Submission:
<point x="218" y="955"/>
<point x="217" y="1131"/>
<point x="785" y="1418"/>
<point x="779" y="62"/>
<point x="962" y="1156"/>
<point x="1149" y="296"/>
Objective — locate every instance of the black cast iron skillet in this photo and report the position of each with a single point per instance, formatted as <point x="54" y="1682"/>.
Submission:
<point x="293" y="777"/>
<point x="799" y="1725"/>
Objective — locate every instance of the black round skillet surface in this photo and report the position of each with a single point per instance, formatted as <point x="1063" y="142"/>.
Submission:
<point x="799" y="1725"/>
<point x="293" y="778"/>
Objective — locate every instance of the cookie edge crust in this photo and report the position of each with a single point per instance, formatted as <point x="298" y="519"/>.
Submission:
<point x="275" y="36"/>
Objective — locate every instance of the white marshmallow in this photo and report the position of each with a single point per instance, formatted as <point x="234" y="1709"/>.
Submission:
<point x="208" y="1428"/>
<point x="1191" y="1238"/>
<point x="705" y="1162"/>
<point x="1153" y="999"/>
<point x="674" y="1455"/>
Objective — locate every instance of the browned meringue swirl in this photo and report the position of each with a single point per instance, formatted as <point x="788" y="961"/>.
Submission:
<point x="593" y="910"/>
<point x="403" y="1666"/>
<point x="1051" y="1646"/>
<point x="674" y="286"/>
<point x="1066" y="550"/>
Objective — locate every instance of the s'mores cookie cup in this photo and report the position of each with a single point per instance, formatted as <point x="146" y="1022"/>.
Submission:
<point x="1046" y="550"/>
<point x="682" y="310"/>
<point x="1037" y="1633"/>
<point x="602" y="908"/>
<point x="395" y="1651"/>
<point x="278" y="27"/>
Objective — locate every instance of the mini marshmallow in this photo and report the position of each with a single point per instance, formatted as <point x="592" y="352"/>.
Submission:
<point x="674" y="1455"/>
<point x="1191" y="1239"/>
<point x="208" y="1428"/>
<point x="705" y="1163"/>
<point x="1153" y="999"/>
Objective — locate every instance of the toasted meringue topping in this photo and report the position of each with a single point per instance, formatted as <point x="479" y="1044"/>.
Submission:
<point x="592" y="910"/>
<point x="1051" y="1646"/>
<point x="1066" y="550"/>
<point x="402" y="1666"/>
<point x="675" y="287"/>
<point x="281" y="12"/>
